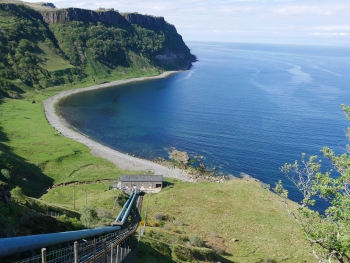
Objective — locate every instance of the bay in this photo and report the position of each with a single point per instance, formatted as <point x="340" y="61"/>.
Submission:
<point x="246" y="108"/>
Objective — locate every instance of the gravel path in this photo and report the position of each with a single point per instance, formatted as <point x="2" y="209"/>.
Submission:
<point x="123" y="161"/>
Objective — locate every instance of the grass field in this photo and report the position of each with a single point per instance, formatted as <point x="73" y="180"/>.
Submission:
<point x="238" y="216"/>
<point x="52" y="61"/>
<point x="95" y="194"/>
<point x="239" y="219"/>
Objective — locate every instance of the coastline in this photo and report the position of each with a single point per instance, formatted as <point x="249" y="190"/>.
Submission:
<point x="123" y="161"/>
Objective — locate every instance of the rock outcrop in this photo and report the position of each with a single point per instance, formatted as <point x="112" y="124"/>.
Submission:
<point x="78" y="14"/>
<point x="109" y="16"/>
<point x="148" y="21"/>
<point x="48" y="5"/>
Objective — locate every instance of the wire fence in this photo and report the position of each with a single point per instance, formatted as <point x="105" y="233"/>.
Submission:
<point x="112" y="247"/>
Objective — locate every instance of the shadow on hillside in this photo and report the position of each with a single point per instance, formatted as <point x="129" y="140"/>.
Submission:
<point x="148" y="254"/>
<point x="23" y="174"/>
<point x="167" y="184"/>
<point x="3" y="136"/>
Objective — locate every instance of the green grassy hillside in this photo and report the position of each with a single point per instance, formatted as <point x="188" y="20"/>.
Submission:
<point x="238" y="219"/>
<point x="38" y="55"/>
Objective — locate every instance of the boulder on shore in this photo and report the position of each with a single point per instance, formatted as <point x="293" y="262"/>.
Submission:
<point x="179" y="156"/>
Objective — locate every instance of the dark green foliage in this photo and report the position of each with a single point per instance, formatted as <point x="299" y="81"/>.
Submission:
<point x="72" y="221"/>
<point x="6" y="173"/>
<point x="6" y="222"/>
<point x="86" y="48"/>
<point x="18" y="170"/>
<point x="21" y="29"/>
<point x="89" y="216"/>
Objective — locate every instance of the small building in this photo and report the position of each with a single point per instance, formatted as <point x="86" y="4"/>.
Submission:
<point x="145" y="183"/>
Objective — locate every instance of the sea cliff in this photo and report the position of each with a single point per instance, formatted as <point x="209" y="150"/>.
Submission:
<point x="44" y="46"/>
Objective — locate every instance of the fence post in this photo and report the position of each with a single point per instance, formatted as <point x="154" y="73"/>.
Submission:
<point x="76" y="259"/>
<point x="94" y="250"/>
<point x="112" y="253"/>
<point x="104" y="251"/>
<point x="43" y="255"/>
<point x="117" y="256"/>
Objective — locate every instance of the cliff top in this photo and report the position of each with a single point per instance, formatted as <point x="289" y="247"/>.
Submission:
<point x="40" y="6"/>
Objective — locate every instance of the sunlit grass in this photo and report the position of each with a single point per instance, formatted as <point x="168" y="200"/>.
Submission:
<point x="237" y="209"/>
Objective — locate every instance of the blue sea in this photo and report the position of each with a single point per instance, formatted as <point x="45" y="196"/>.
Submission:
<point x="246" y="108"/>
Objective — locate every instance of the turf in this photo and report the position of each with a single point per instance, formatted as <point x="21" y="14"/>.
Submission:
<point x="238" y="216"/>
<point x="50" y="60"/>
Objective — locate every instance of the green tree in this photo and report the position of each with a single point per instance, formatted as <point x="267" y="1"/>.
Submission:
<point x="329" y="233"/>
<point x="88" y="216"/>
<point x="6" y="173"/>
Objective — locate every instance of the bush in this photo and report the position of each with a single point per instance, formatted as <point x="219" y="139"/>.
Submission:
<point x="159" y="216"/>
<point x="18" y="193"/>
<point x="88" y="216"/>
<point x="196" y="241"/>
<point x="104" y="213"/>
<point x="75" y="223"/>
<point x="6" y="173"/>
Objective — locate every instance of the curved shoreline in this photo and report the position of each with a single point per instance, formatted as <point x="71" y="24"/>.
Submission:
<point x="123" y="161"/>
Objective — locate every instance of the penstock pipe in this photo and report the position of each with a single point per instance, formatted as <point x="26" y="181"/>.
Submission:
<point x="15" y="245"/>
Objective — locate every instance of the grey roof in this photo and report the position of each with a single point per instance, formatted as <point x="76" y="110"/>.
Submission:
<point x="142" y="178"/>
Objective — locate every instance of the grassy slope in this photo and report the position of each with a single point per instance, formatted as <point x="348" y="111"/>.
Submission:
<point x="50" y="60"/>
<point x="97" y="194"/>
<point x="237" y="209"/>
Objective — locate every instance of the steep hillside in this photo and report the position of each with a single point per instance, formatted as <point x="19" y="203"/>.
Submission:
<point x="237" y="219"/>
<point x="49" y="47"/>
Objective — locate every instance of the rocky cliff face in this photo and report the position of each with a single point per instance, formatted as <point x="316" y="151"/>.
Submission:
<point x="107" y="17"/>
<point x="77" y="14"/>
<point x="148" y="21"/>
<point x="170" y="57"/>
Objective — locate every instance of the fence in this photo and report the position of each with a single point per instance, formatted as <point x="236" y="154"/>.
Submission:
<point x="112" y="247"/>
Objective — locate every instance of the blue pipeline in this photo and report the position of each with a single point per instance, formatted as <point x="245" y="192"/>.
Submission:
<point x="128" y="210"/>
<point x="125" y="205"/>
<point x="14" y="245"/>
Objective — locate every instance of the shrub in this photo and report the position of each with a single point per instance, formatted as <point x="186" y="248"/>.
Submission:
<point x="88" y="216"/>
<point x="18" y="193"/>
<point x="6" y="173"/>
<point x="75" y="223"/>
<point x="159" y="216"/>
<point x="196" y="240"/>
<point x="104" y="213"/>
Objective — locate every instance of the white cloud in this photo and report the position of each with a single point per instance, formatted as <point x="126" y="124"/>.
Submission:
<point x="290" y="21"/>
<point x="342" y="34"/>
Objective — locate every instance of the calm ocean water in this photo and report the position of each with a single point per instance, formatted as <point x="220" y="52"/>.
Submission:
<point x="244" y="107"/>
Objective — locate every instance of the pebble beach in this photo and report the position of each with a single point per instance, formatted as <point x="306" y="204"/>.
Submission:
<point x="121" y="160"/>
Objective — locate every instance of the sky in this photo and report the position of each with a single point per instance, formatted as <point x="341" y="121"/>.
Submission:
<point x="311" y="22"/>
